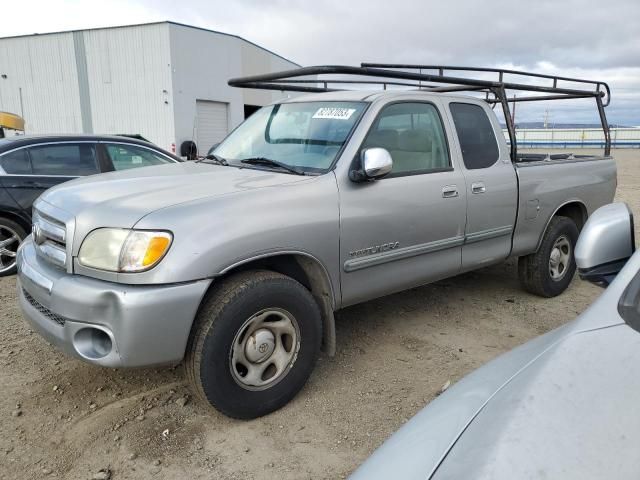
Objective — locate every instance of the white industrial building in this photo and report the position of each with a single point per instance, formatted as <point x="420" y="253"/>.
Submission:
<point x="164" y="81"/>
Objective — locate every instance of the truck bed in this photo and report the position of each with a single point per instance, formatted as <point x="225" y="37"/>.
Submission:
<point x="549" y="182"/>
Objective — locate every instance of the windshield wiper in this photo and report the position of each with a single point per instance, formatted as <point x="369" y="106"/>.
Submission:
<point x="272" y="163"/>
<point x="217" y="159"/>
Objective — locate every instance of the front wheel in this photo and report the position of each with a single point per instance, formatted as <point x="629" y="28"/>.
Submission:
<point x="255" y="342"/>
<point x="549" y="271"/>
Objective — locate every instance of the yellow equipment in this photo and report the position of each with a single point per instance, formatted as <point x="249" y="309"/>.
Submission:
<point x="10" y="121"/>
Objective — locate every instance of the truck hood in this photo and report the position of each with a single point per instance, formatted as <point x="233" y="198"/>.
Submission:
<point x="143" y="190"/>
<point x="121" y="199"/>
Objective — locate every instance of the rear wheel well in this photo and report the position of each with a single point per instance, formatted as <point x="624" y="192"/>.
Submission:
<point x="312" y="275"/>
<point x="576" y="211"/>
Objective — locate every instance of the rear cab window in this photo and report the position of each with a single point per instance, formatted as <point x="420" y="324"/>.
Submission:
<point x="475" y="135"/>
<point x="124" y="156"/>
<point x="64" y="159"/>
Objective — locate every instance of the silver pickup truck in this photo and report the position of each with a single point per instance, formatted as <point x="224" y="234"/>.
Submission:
<point x="235" y="264"/>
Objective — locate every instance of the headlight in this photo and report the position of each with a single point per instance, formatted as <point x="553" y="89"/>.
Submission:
<point x="123" y="250"/>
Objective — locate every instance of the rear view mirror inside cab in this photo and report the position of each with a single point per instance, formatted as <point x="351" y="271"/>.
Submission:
<point x="605" y="244"/>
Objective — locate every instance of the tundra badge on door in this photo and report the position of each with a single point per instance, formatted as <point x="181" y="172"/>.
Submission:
<point x="375" y="249"/>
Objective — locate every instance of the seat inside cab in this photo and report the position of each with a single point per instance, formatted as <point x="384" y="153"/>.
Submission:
<point x="412" y="133"/>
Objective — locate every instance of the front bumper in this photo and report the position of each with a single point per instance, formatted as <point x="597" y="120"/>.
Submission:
<point x="105" y="323"/>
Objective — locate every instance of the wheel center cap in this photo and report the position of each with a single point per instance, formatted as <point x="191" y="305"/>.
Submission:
<point x="555" y="257"/>
<point x="260" y="345"/>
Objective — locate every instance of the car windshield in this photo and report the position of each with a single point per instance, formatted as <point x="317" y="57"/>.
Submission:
<point x="304" y="135"/>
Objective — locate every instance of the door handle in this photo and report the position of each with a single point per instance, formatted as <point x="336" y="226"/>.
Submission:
<point x="478" y="188"/>
<point x="449" y="191"/>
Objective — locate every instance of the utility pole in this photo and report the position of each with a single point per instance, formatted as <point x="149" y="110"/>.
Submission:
<point x="546" y="118"/>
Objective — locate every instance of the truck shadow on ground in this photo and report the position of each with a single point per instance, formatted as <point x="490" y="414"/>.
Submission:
<point x="435" y="305"/>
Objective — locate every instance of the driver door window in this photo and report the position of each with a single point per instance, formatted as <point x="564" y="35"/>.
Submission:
<point x="414" y="136"/>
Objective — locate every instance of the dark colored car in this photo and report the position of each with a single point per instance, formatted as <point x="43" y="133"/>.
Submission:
<point x="29" y="165"/>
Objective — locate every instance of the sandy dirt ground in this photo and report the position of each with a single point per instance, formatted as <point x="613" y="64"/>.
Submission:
<point x="61" y="418"/>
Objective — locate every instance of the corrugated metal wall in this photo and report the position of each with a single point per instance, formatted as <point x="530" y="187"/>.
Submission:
<point x="41" y="69"/>
<point x="129" y="77"/>
<point x="142" y="79"/>
<point x="203" y="62"/>
<point x="256" y="61"/>
<point x="115" y="80"/>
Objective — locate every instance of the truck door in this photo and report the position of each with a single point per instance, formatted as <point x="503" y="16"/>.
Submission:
<point x="492" y="189"/>
<point x="407" y="228"/>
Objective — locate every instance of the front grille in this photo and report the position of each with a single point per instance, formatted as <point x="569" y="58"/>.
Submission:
<point x="50" y="238"/>
<point x="60" y="320"/>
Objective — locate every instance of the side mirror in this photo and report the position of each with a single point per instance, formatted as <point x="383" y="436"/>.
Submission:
<point x="605" y="244"/>
<point x="376" y="163"/>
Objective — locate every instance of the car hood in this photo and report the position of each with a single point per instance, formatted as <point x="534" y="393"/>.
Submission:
<point x="121" y="199"/>
<point x="573" y="414"/>
<point x="415" y="451"/>
<point x="556" y="396"/>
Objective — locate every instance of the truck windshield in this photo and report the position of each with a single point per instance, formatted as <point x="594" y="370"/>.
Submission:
<point x="305" y="135"/>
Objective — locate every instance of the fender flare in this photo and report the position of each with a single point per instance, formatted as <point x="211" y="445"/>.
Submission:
<point x="555" y="212"/>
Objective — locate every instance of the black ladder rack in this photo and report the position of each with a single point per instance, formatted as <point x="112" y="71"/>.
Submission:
<point x="411" y="75"/>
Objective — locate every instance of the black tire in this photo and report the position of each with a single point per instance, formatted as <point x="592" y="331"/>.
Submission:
<point x="534" y="270"/>
<point x="189" y="149"/>
<point x="222" y="315"/>
<point x="7" y="228"/>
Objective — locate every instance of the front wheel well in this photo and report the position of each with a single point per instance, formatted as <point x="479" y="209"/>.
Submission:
<point x="311" y="274"/>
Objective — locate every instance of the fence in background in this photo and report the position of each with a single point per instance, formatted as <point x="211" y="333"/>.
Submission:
<point x="575" y="137"/>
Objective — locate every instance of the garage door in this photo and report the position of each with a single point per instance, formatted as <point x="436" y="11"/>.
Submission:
<point x="212" y="124"/>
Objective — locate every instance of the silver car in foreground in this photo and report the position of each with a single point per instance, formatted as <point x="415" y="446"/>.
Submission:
<point x="563" y="406"/>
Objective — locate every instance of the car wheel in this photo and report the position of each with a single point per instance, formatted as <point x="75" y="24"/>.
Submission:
<point x="11" y="235"/>
<point x="549" y="271"/>
<point x="254" y="344"/>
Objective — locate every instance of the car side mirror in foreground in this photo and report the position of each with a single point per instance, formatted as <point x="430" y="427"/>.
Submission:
<point x="605" y="244"/>
<point x="375" y="163"/>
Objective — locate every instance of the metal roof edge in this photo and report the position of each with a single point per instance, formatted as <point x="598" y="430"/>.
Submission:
<point x="169" y="22"/>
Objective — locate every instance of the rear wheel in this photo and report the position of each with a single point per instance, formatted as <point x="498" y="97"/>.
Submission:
<point x="254" y="345"/>
<point x="11" y="235"/>
<point x="549" y="271"/>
